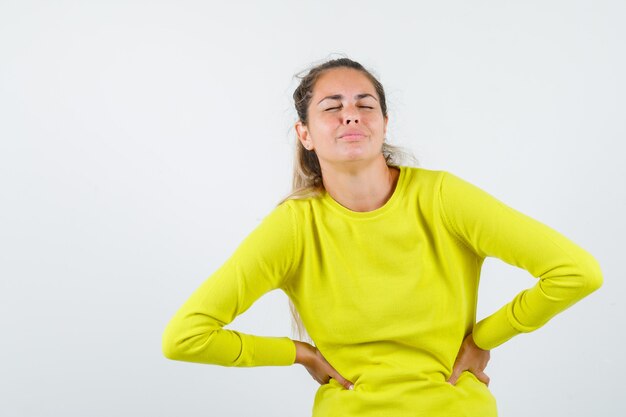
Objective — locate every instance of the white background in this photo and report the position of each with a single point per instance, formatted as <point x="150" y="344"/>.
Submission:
<point x="141" y="141"/>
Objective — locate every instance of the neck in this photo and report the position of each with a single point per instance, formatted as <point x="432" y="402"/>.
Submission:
<point x="363" y="188"/>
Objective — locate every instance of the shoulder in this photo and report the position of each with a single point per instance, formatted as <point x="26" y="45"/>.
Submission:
<point x="422" y="174"/>
<point x="423" y="180"/>
<point x="436" y="179"/>
<point x="300" y="206"/>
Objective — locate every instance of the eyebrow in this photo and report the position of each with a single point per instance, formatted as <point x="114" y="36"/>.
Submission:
<point x="339" y="97"/>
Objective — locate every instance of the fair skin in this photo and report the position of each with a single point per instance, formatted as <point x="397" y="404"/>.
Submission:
<point x="356" y="175"/>
<point x="354" y="170"/>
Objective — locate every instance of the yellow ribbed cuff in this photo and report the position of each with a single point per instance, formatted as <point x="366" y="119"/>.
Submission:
<point x="267" y="351"/>
<point x="494" y="330"/>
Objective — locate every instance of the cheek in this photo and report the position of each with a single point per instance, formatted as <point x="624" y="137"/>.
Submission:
<point x="375" y="123"/>
<point x="324" y="124"/>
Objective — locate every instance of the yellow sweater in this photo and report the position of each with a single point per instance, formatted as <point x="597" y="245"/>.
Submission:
<point x="387" y="295"/>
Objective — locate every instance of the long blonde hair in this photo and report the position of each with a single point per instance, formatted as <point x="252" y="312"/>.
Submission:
<point x="307" y="173"/>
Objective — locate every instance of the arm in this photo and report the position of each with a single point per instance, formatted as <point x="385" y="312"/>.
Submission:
<point x="488" y="227"/>
<point x="261" y="263"/>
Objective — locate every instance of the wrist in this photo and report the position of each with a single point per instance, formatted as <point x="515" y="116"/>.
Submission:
<point x="302" y="353"/>
<point x="473" y="342"/>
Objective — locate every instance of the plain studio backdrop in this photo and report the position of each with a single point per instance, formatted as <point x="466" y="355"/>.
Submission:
<point x="141" y="141"/>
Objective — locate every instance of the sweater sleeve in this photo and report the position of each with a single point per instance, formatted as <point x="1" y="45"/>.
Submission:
<point x="262" y="262"/>
<point x="566" y="272"/>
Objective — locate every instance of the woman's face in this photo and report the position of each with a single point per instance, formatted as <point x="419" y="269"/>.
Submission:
<point x="344" y="101"/>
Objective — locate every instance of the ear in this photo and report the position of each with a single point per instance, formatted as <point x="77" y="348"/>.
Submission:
<point x="385" y="128"/>
<point x="303" y="135"/>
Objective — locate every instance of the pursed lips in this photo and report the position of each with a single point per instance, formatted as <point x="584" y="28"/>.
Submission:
<point x="355" y="135"/>
<point x="352" y="137"/>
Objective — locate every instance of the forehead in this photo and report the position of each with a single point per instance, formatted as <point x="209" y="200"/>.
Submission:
<point x="338" y="80"/>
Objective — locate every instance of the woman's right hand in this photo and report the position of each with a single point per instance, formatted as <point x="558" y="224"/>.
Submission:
<point x="319" y="368"/>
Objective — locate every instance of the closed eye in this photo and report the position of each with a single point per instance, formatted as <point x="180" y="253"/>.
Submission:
<point x="333" y="108"/>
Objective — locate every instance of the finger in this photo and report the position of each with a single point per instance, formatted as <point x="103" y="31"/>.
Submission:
<point x="456" y="373"/>
<point x="347" y="384"/>
<point x="320" y="381"/>
<point x="482" y="377"/>
<point x="334" y="374"/>
<point x="320" y="378"/>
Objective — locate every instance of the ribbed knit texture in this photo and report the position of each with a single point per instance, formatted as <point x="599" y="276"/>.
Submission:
<point x="387" y="295"/>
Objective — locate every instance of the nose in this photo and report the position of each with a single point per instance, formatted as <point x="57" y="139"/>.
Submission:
<point x="350" y="115"/>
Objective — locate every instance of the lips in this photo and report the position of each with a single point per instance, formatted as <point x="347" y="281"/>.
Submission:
<point x="352" y="134"/>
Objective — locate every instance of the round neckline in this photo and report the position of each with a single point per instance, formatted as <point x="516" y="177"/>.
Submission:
<point x="391" y="202"/>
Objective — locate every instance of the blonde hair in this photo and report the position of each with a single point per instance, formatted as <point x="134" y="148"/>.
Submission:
<point x="307" y="174"/>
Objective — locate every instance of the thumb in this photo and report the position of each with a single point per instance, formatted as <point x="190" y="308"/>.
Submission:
<point x="482" y="377"/>
<point x="347" y="384"/>
<point x="456" y="373"/>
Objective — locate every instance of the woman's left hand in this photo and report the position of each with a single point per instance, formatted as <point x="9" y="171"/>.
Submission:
<point x="470" y="358"/>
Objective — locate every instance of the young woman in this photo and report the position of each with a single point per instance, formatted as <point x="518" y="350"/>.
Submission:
<point x="381" y="263"/>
